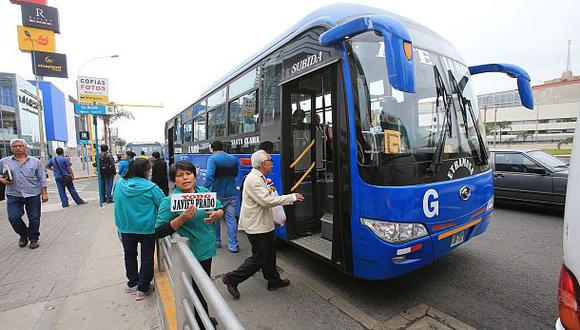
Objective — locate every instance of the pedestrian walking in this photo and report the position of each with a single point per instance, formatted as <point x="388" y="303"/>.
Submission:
<point x="220" y="177"/>
<point x="257" y="220"/>
<point x="126" y="159"/>
<point x="137" y="201"/>
<point x="160" y="172"/>
<point x="25" y="182"/>
<point x="108" y="172"/>
<point x="197" y="225"/>
<point x="64" y="177"/>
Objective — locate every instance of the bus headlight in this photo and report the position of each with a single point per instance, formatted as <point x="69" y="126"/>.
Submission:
<point x="489" y="204"/>
<point x="395" y="232"/>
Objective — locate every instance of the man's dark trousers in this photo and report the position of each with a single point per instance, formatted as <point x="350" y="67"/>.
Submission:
<point x="142" y="278"/>
<point x="16" y="206"/>
<point x="263" y="257"/>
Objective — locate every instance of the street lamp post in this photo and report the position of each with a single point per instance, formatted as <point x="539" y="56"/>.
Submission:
<point x="95" y="152"/>
<point x="39" y="106"/>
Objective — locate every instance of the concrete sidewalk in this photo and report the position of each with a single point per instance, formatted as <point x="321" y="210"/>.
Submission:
<point x="75" y="279"/>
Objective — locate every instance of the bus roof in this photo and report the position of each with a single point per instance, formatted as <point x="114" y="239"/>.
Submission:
<point x="327" y="16"/>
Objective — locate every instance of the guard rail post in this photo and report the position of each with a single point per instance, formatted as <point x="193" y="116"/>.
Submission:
<point x="176" y="270"/>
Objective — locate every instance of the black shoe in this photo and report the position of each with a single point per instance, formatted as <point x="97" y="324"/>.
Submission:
<point x="82" y="203"/>
<point x="281" y="284"/>
<point x="67" y="205"/>
<point x="232" y="287"/>
<point x="23" y="241"/>
<point x="33" y="244"/>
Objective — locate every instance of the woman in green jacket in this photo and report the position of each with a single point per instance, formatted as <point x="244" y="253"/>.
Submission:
<point x="197" y="225"/>
<point x="136" y="203"/>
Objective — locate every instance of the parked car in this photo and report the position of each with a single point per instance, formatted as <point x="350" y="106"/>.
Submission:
<point x="568" y="288"/>
<point x="529" y="176"/>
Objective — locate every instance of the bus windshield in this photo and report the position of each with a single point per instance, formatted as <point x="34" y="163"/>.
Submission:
<point x="399" y="134"/>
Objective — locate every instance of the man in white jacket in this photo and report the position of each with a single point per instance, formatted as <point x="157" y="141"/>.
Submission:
<point x="257" y="220"/>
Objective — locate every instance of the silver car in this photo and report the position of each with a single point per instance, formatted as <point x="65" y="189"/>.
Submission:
<point x="529" y="176"/>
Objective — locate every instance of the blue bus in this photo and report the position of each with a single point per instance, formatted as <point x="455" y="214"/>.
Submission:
<point x="373" y="118"/>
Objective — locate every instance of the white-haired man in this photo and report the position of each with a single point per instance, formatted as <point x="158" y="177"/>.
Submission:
<point x="25" y="191"/>
<point x="257" y="220"/>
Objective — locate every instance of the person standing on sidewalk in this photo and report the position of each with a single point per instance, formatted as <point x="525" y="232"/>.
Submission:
<point x="257" y="220"/>
<point x="197" y="225"/>
<point x="137" y="201"/>
<point x="26" y="190"/>
<point x="222" y="171"/>
<point x="62" y="168"/>
<point x="108" y="172"/>
<point x="126" y="159"/>
<point x="159" y="172"/>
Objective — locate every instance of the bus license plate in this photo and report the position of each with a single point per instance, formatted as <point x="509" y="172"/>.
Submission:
<point x="457" y="238"/>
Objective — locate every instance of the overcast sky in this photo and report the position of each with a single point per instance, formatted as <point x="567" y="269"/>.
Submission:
<point x="170" y="52"/>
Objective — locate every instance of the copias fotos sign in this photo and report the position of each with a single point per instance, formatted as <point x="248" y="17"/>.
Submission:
<point x="201" y="201"/>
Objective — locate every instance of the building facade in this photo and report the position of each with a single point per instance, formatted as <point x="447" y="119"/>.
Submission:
<point x="551" y="124"/>
<point x="19" y="113"/>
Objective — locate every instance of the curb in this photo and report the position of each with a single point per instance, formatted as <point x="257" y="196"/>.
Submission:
<point x="164" y="299"/>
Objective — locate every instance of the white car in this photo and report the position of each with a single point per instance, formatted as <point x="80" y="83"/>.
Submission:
<point x="568" y="288"/>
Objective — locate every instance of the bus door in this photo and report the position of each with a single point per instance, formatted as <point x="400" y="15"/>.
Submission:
<point x="170" y="150"/>
<point x="307" y="158"/>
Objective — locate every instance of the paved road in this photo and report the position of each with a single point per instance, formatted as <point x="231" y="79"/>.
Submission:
<point x="505" y="279"/>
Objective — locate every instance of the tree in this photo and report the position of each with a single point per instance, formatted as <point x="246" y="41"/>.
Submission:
<point x="115" y="115"/>
<point x="509" y="142"/>
<point x="567" y="140"/>
<point x="524" y="135"/>
<point x="501" y="126"/>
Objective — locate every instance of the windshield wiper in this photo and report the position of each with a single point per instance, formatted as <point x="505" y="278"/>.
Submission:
<point x="447" y="122"/>
<point x="464" y="106"/>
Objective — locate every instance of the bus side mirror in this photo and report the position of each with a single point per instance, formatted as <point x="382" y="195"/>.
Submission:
<point x="398" y="46"/>
<point x="514" y="71"/>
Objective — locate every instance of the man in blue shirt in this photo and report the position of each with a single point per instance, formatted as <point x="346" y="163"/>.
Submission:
<point x="222" y="171"/>
<point x="25" y="190"/>
<point x="62" y="168"/>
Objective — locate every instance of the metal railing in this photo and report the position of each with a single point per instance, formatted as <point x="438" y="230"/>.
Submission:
<point x="175" y="257"/>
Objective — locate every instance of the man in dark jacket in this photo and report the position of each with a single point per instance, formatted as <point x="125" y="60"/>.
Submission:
<point x="159" y="172"/>
<point x="108" y="172"/>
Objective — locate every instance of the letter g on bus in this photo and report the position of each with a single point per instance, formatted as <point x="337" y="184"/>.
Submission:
<point x="431" y="203"/>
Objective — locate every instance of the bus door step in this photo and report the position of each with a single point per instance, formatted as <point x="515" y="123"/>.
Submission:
<point x="316" y="244"/>
<point x="326" y="226"/>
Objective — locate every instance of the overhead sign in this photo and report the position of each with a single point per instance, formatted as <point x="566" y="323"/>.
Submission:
<point x="49" y="64"/>
<point x="39" y="40"/>
<point x="20" y="2"/>
<point x="201" y="201"/>
<point x="86" y="109"/>
<point x="40" y="16"/>
<point x="93" y="90"/>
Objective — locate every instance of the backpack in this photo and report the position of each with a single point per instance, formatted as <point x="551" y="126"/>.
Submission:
<point x="107" y="167"/>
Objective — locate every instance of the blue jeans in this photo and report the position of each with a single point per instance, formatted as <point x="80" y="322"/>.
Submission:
<point x="107" y="187"/>
<point x="229" y="205"/>
<point x="62" y="193"/>
<point x="16" y="206"/>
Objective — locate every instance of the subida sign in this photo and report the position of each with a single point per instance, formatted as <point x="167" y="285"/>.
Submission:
<point x="201" y="201"/>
